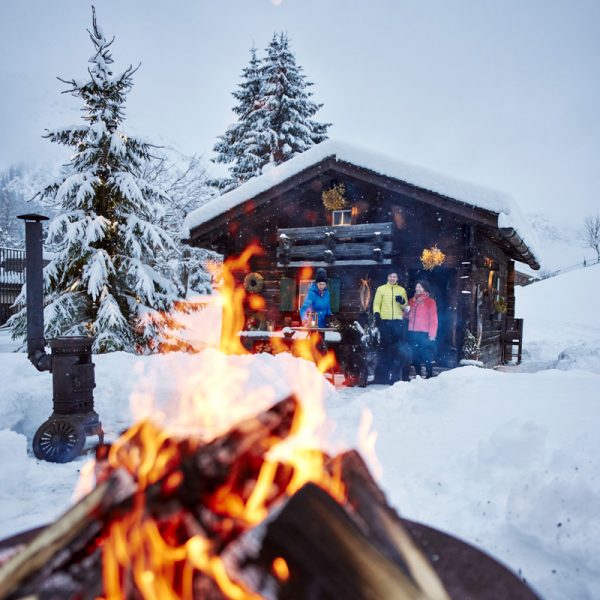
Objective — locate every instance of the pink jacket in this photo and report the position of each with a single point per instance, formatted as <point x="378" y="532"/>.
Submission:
<point x="423" y="315"/>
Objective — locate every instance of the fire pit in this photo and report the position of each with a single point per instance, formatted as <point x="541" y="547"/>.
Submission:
<point x="224" y="519"/>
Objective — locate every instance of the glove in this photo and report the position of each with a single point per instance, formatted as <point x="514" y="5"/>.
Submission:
<point x="377" y="319"/>
<point x="400" y="299"/>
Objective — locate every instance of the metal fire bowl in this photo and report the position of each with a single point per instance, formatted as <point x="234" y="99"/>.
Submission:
<point x="467" y="573"/>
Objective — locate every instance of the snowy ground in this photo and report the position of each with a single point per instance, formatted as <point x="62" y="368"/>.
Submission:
<point x="508" y="459"/>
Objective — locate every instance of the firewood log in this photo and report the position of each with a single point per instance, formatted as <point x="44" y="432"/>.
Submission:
<point x="384" y="526"/>
<point x="55" y="544"/>
<point x="203" y="471"/>
<point x="328" y="556"/>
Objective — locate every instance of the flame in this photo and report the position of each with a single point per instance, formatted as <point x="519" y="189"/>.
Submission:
<point x="305" y="273"/>
<point x="281" y="568"/>
<point x="233" y="297"/>
<point x="150" y="554"/>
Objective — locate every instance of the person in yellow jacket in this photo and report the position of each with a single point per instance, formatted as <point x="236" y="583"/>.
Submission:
<point x="390" y="306"/>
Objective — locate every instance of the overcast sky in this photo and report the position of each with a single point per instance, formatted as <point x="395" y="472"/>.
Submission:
<point x="505" y="93"/>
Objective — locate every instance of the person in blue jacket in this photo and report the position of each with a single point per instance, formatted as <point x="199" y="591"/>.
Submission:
<point x="317" y="300"/>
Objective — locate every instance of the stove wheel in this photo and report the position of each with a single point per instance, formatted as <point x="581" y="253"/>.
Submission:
<point x="59" y="440"/>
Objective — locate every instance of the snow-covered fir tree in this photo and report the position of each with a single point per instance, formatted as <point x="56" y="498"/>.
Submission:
<point x="285" y="113"/>
<point x="103" y="280"/>
<point x="275" y="115"/>
<point x="236" y="145"/>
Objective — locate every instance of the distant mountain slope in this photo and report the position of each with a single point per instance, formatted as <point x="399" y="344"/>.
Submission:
<point x="559" y="244"/>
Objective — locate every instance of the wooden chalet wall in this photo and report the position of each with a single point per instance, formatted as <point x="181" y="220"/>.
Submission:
<point x="487" y="277"/>
<point x="464" y="290"/>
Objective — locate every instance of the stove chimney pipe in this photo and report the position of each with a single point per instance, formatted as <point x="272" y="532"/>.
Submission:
<point x="62" y="437"/>
<point x="35" y="292"/>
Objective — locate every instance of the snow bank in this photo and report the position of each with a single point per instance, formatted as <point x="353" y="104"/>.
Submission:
<point x="562" y="322"/>
<point x="506" y="461"/>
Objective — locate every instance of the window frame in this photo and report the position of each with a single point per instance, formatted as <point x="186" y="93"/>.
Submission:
<point x="342" y="212"/>
<point x="303" y="292"/>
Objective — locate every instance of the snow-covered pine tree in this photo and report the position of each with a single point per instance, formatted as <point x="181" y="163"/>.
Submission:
<point x="102" y="281"/>
<point x="275" y="116"/>
<point x="235" y="146"/>
<point x="18" y="185"/>
<point x="283" y="120"/>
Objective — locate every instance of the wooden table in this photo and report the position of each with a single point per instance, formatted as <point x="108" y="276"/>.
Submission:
<point x="259" y="341"/>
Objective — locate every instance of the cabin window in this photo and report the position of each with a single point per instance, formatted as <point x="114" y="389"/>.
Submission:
<point x="333" y="284"/>
<point x="341" y="217"/>
<point x="303" y="290"/>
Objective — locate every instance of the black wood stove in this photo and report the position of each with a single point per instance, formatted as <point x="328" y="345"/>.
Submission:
<point x="62" y="437"/>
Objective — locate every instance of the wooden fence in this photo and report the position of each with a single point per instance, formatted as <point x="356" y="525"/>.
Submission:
<point x="12" y="278"/>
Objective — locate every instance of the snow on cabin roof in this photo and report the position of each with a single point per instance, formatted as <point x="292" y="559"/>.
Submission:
<point x="509" y="214"/>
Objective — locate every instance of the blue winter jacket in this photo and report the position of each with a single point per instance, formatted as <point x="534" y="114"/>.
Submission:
<point x="321" y="304"/>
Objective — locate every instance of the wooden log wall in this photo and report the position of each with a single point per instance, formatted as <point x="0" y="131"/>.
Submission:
<point x="464" y="298"/>
<point x="490" y="280"/>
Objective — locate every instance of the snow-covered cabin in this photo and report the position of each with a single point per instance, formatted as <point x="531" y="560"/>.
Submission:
<point x="381" y="215"/>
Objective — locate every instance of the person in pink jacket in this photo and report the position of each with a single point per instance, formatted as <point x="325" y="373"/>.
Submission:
<point x="422" y="327"/>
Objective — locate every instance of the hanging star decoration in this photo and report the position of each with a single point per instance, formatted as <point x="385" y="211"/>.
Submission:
<point x="432" y="257"/>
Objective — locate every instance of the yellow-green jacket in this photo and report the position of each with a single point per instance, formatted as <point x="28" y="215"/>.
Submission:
<point x="385" y="301"/>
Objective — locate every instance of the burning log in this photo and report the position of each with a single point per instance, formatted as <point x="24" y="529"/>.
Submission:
<point x="329" y="557"/>
<point x="383" y="525"/>
<point x="184" y="489"/>
<point x="358" y="550"/>
<point x="223" y="519"/>
<point x="55" y="545"/>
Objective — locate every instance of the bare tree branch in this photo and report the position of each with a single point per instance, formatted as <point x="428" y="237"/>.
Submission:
<point x="590" y="234"/>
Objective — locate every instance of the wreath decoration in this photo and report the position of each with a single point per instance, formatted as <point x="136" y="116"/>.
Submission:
<point x="253" y="283"/>
<point x="334" y="198"/>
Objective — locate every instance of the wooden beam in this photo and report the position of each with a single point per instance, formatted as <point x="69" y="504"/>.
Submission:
<point x="360" y="231"/>
<point x="342" y="251"/>
<point x="338" y="263"/>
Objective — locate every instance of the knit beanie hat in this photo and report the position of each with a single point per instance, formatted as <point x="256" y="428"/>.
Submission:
<point x="321" y="276"/>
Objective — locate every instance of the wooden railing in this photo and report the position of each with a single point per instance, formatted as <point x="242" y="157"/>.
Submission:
<point x="368" y="243"/>
<point x="12" y="277"/>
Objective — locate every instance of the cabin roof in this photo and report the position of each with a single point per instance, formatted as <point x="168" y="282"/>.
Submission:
<point x="510" y="220"/>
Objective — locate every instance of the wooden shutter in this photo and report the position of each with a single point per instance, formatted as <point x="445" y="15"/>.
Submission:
<point x="334" y="293"/>
<point x="287" y="294"/>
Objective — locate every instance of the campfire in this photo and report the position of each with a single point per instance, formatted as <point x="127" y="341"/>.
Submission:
<point x="236" y="508"/>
